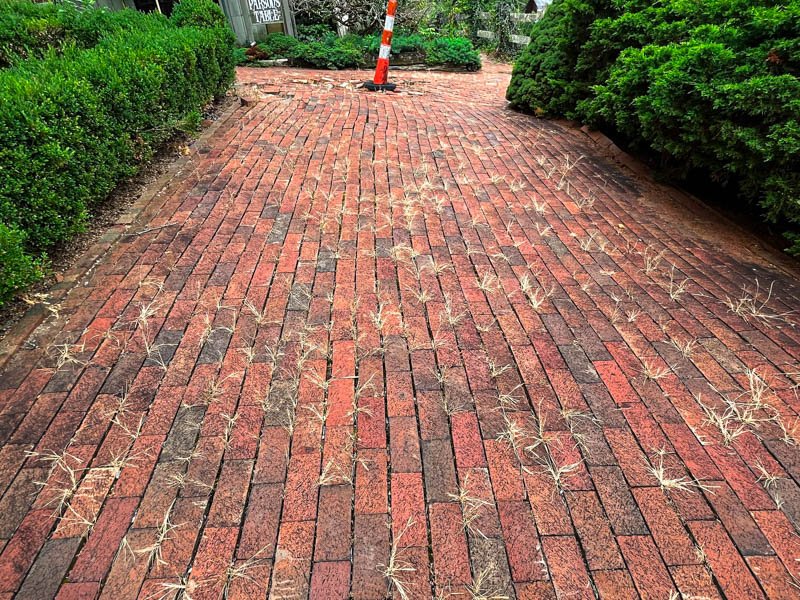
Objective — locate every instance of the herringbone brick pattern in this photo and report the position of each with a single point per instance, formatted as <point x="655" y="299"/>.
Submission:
<point x="410" y="345"/>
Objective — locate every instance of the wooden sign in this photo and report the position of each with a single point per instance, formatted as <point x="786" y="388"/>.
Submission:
<point x="253" y="19"/>
<point x="266" y="11"/>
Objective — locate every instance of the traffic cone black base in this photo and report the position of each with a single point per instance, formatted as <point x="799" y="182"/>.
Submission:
<point x="380" y="87"/>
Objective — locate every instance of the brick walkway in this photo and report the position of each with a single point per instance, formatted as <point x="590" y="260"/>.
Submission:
<point x="413" y="345"/>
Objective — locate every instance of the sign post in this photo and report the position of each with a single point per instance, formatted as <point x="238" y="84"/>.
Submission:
<point x="380" y="83"/>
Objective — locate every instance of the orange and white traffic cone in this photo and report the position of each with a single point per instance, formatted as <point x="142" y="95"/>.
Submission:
<point x="381" y="80"/>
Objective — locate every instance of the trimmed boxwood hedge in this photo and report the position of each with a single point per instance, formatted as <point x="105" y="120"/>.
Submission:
<point x="329" y="51"/>
<point x="17" y="268"/>
<point x="708" y="87"/>
<point x="32" y="29"/>
<point x="452" y="51"/>
<point x="76" y="122"/>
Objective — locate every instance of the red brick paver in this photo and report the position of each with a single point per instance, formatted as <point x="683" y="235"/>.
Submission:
<point x="413" y="345"/>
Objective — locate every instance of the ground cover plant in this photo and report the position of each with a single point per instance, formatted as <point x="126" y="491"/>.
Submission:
<point x="705" y="88"/>
<point x="85" y="100"/>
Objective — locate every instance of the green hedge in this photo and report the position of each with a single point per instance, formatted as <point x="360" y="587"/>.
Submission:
<point x="17" y="268"/>
<point x="328" y="51"/>
<point x="708" y="87"/>
<point x="401" y="44"/>
<point x="199" y="13"/>
<point x="74" y="124"/>
<point x="454" y="51"/>
<point x="278" y="45"/>
<point x="32" y="30"/>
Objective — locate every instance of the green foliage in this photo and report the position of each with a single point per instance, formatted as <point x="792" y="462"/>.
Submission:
<point x="314" y="33"/>
<point x="353" y="51"/>
<point x="505" y="26"/>
<point x="331" y="53"/>
<point x="278" y="45"/>
<point x="452" y="51"/>
<point x="32" y="30"/>
<point x="358" y="16"/>
<point x="458" y="17"/>
<point x="240" y="56"/>
<point x="78" y="121"/>
<point x="198" y="13"/>
<point x="327" y="52"/>
<point x="544" y="78"/>
<point x="464" y="18"/>
<point x="407" y="43"/>
<point x="706" y="86"/>
<point x="400" y="43"/>
<point x="17" y="269"/>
